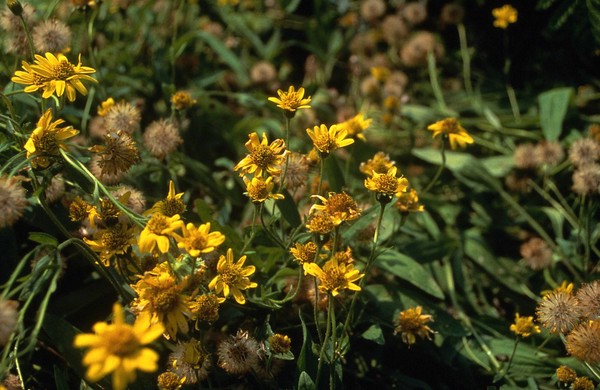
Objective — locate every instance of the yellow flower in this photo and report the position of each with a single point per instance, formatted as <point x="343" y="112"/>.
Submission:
<point x="304" y="253"/>
<point x="334" y="277"/>
<point x="182" y="100"/>
<point x="408" y="202"/>
<point x="160" y="296"/>
<point x="157" y="231"/>
<point x="386" y="185"/>
<point x="263" y="158"/>
<point x="450" y="128"/>
<point x="46" y="139"/>
<point x="291" y="100"/>
<point x="198" y="240"/>
<point x="380" y="163"/>
<point x="115" y="240"/>
<point x="118" y="348"/>
<point x="524" y="326"/>
<point x="259" y="189"/>
<point x="504" y="15"/>
<point x="320" y="223"/>
<point x="54" y="74"/>
<point x="411" y="323"/>
<point x="341" y="207"/>
<point x="356" y="125"/>
<point x="565" y="287"/>
<point x="380" y="73"/>
<point x="171" y="205"/>
<point x="105" y="106"/>
<point x="326" y="141"/>
<point x="232" y="277"/>
<point x="280" y="343"/>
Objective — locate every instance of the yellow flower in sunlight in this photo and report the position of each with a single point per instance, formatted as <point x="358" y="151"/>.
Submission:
<point x="105" y="106"/>
<point x="160" y="296"/>
<point x="334" y="277"/>
<point x="291" y="100"/>
<point x="451" y="128"/>
<point x="263" y="157"/>
<point x="327" y="140"/>
<point x="408" y="202"/>
<point x="411" y="323"/>
<point x="524" y="326"/>
<point x="340" y="207"/>
<point x="46" y="140"/>
<point x="356" y="125"/>
<point x="320" y="223"/>
<point x="118" y="348"/>
<point x="115" y="240"/>
<point x="54" y="74"/>
<point x="171" y="205"/>
<point x="504" y="15"/>
<point x="157" y="231"/>
<point x="232" y="277"/>
<point x="259" y="189"/>
<point x="387" y="184"/>
<point x="198" y="240"/>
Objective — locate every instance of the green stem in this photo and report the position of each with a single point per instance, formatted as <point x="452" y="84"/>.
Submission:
<point x="327" y="335"/>
<point x="544" y="194"/>
<point x="514" y="104"/>
<point x="466" y="58"/>
<point x="29" y="39"/>
<point x="435" y="83"/>
<point x="439" y="170"/>
<point x="321" y="172"/>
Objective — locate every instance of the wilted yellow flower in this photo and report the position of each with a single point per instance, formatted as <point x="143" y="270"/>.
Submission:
<point x="263" y="157"/>
<point x="411" y="323"/>
<point x="381" y="73"/>
<point x="450" y="128"/>
<point x="334" y="277"/>
<point x="198" y="240"/>
<point x="117" y="154"/>
<point x="232" y="277"/>
<point x="524" y="326"/>
<point x="565" y="374"/>
<point x="259" y="189"/>
<point x="105" y="106"/>
<point x="54" y="74"/>
<point x="386" y="185"/>
<point x="46" y="140"/>
<point x="341" y="207"/>
<point x="408" y="202"/>
<point x="160" y="295"/>
<point x="320" y="223"/>
<point x="380" y="163"/>
<point x="171" y="205"/>
<point x="356" y="125"/>
<point x="291" y="100"/>
<point x="182" y="100"/>
<point x="504" y="15"/>
<point x="157" y="231"/>
<point x="304" y="253"/>
<point x="169" y="380"/>
<point x="118" y="348"/>
<point x="327" y="140"/>
<point x="280" y="343"/>
<point x="115" y="240"/>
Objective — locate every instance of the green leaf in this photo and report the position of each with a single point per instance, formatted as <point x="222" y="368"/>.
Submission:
<point x="557" y="220"/>
<point x="409" y="270"/>
<point x="43" y="238"/>
<point x="305" y="382"/>
<point x="289" y="209"/>
<point x="361" y="223"/>
<point x="374" y="334"/>
<point x="334" y="174"/>
<point x="553" y="109"/>
<point x="498" y="166"/>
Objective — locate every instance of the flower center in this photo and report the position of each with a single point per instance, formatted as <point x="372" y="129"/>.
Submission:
<point x="262" y="156"/>
<point x="115" y="240"/>
<point x="121" y="341"/>
<point x="63" y="70"/>
<point x="198" y="241"/>
<point x="335" y="279"/>
<point x="166" y="300"/>
<point x="46" y="143"/>
<point x="386" y="184"/>
<point x="157" y="224"/>
<point x="231" y="275"/>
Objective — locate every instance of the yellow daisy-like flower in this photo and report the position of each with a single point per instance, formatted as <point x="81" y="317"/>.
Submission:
<point x="304" y="253"/>
<point x="54" y="74"/>
<point x="386" y="185"/>
<point x="565" y="287"/>
<point x="160" y="296"/>
<point x="291" y="100"/>
<point x="182" y="100"/>
<point x="451" y="128"/>
<point x="47" y="139"/>
<point x="263" y="157"/>
<point x="118" y="348"/>
<point x="524" y="326"/>
<point x="341" y="207"/>
<point x="157" y="232"/>
<point x="327" y="140"/>
<point x="334" y="277"/>
<point x="504" y="15"/>
<point x="356" y="125"/>
<point x="171" y="205"/>
<point x="115" y="240"/>
<point x="232" y="277"/>
<point x="321" y="223"/>
<point x="198" y="240"/>
<point x="411" y="323"/>
<point x="259" y="189"/>
<point x="408" y="202"/>
<point x="380" y="163"/>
